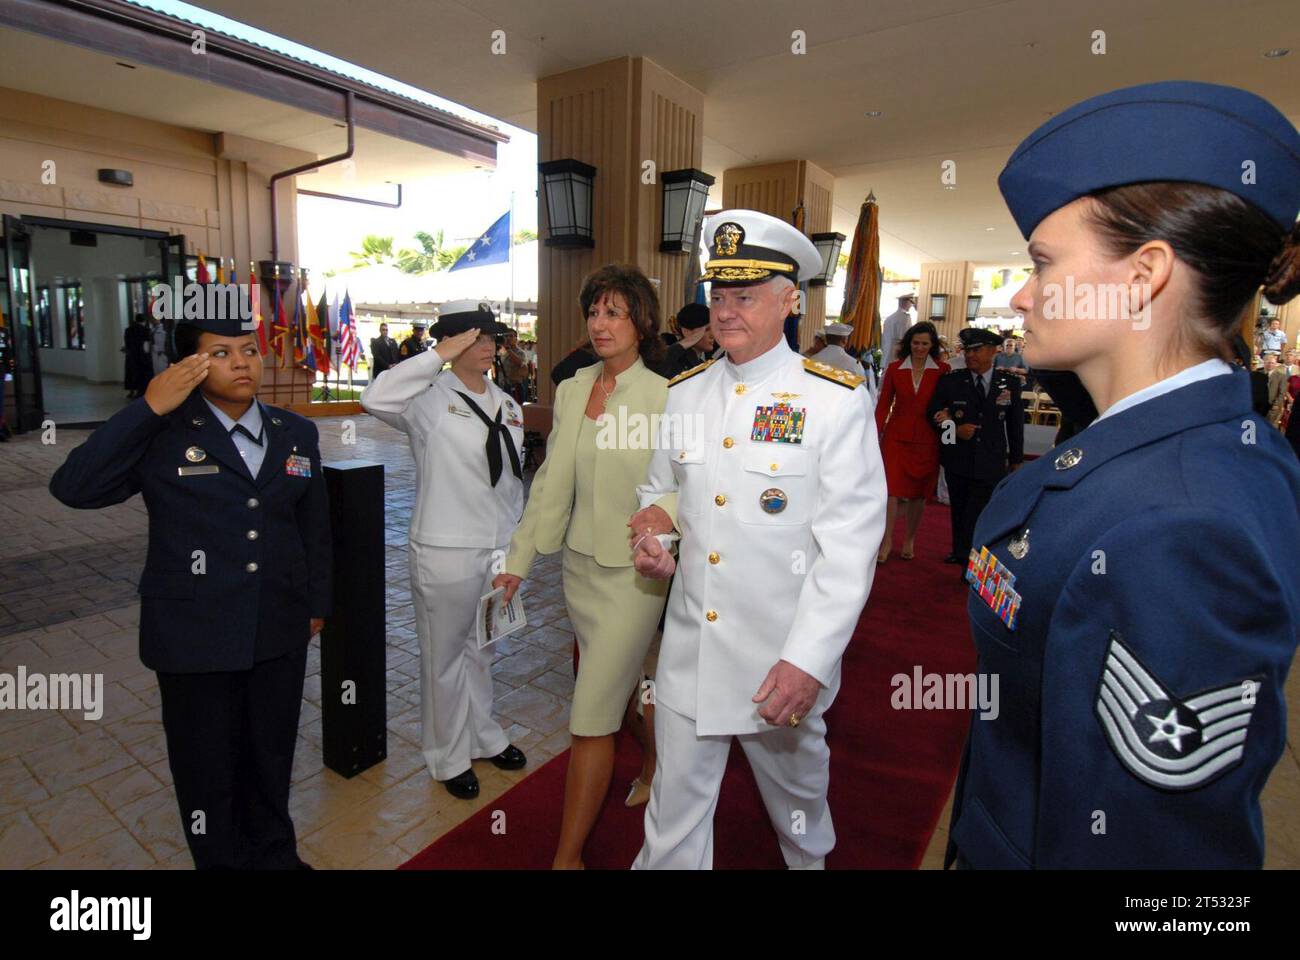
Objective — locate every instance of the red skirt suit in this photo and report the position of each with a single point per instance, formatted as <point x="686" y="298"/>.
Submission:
<point x="908" y="444"/>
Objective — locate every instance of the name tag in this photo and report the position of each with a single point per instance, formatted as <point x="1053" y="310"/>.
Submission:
<point x="298" y="465"/>
<point x="452" y="408"/>
<point x="198" y="471"/>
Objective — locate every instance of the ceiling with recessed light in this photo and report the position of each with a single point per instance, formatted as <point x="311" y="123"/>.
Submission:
<point x="959" y="80"/>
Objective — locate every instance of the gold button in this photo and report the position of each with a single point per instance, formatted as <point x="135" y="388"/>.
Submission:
<point x="711" y="616"/>
<point x="773" y="466"/>
<point x="740" y="388"/>
<point x="682" y="455"/>
<point x="714" y="558"/>
<point x="719" y="499"/>
<point x="728" y="443"/>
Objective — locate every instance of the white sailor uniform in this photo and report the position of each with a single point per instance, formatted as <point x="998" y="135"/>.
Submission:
<point x="781" y="507"/>
<point x="460" y="524"/>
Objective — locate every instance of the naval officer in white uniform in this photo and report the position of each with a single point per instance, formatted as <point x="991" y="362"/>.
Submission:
<point x="834" y="355"/>
<point x="466" y="436"/>
<point x="780" y="506"/>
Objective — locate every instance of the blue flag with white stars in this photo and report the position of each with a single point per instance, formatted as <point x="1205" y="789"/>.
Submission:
<point x="492" y="247"/>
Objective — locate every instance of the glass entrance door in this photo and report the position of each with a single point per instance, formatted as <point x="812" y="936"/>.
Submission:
<point x="19" y="363"/>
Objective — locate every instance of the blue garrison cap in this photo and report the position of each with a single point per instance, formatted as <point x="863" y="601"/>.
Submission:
<point x="1176" y="130"/>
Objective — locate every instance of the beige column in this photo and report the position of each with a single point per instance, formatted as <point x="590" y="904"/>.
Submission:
<point x="631" y="120"/>
<point x="791" y="190"/>
<point x="953" y="279"/>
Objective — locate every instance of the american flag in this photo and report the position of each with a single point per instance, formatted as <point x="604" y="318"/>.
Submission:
<point x="349" y="345"/>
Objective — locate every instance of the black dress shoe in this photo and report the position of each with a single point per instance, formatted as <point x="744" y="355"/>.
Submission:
<point x="511" y="758"/>
<point x="954" y="558"/>
<point x="463" y="787"/>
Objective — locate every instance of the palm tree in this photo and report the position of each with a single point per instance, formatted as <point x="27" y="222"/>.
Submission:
<point x="524" y="236"/>
<point x="375" y="250"/>
<point x="432" y="255"/>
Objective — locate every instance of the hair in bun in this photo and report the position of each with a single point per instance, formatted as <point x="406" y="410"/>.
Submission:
<point x="1283" y="280"/>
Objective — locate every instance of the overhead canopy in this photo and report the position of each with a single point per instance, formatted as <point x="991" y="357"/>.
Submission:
<point x="142" y="36"/>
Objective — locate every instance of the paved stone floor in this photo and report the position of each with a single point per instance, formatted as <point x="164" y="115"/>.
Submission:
<point x="80" y="793"/>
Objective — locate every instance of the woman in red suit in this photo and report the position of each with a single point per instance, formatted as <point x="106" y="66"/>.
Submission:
<point x="908" y="443"/>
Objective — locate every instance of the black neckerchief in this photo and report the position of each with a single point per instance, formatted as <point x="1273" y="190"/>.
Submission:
<point x="496" y="429"/>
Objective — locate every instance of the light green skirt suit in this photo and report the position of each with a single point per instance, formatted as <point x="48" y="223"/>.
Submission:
<point x="580" y="501"/>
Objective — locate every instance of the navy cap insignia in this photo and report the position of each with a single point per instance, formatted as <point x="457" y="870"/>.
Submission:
<point x="772" y="500"/>
<point x="728" y="238"/>
<point x="1166" y="741"/>
<point x="196" y="455"/>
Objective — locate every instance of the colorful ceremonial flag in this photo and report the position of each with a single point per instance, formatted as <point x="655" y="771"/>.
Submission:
<point x="202" y="276"/>
<point x="255" y="295"/>
<point x="221" y="270"/>
<point x="326" y="326"/>
<point x="280" y="330"/>
<point x="349" y="345"/>
<point x="863" y="278"/>
<point x="492" y="247"/>
<point x="317" y="347"/>
<point x="298" y="333"/>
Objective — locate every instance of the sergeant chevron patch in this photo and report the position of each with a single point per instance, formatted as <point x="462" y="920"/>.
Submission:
<point x="1166" y="741"/>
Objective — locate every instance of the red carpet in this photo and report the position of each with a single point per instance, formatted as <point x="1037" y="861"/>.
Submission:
<point x="891" y="770"/>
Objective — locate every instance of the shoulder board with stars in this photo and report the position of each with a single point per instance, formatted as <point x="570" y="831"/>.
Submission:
<point x="833" y="374"/>
<point x="687" y="374"/>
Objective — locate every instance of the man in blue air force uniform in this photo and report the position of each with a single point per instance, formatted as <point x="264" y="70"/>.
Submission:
<point x="981" y="423"/>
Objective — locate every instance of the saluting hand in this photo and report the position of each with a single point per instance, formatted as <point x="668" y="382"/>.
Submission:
<point x="449" y="348"/>
<point x="168" y="390"/>
<point x="652" y="561"/>
<point x="691" y="337"/>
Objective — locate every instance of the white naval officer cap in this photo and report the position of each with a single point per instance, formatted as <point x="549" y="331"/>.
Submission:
<point x="839" y="329"/>
<point x="746" y="246"/>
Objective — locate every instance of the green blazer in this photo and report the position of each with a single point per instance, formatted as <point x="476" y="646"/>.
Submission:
<point x="639" y="391"/>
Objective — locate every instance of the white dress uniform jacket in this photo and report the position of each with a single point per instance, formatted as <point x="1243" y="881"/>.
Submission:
<point x="891" y="331"/>
<point x="758" y="585"/>
<point x="455" y="506"/>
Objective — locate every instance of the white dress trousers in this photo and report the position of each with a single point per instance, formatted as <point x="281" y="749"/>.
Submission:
<point x="455" y="675"/>
<point x="791" y="766"/>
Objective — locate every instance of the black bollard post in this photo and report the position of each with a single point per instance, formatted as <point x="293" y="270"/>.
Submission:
<point x="354" y="697"/>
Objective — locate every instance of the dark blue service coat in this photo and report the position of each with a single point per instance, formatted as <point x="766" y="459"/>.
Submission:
<point x="1141" y="690"/>
<point x="265" y="568"/>
<point x="1000" y="438"/>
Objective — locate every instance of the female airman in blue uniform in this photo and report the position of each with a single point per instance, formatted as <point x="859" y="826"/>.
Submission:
<point x="236" y="582"/>
<point x="1135" y="589"/>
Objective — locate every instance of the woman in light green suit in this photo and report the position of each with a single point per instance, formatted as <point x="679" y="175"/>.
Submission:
<point x="581" y="499"/>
